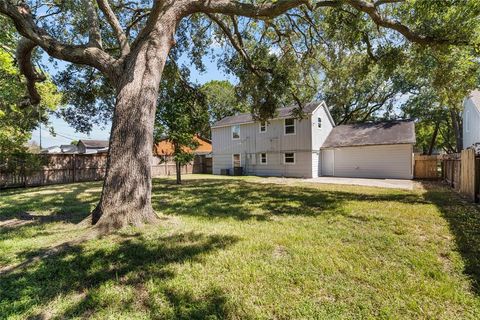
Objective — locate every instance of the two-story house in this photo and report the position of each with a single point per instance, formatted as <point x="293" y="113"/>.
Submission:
<point x="471" y="119"/>
<point x="312" y="146"/>
<point x="283" y="146"/>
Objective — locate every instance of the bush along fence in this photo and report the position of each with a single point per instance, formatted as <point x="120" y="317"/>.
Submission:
<point x="71" y="168"/>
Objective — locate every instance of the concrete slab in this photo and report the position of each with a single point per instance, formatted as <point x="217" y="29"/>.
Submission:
<point x="382" y="183"/>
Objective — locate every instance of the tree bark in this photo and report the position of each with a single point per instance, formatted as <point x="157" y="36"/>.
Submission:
<point x="457" y="125"/>
<point x="178" y="168"/>
<point x="434" y="138"/>
<point x="126" y="194"/>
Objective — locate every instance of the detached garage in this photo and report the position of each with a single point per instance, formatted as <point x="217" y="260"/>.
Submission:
<point x="370" y="150"/>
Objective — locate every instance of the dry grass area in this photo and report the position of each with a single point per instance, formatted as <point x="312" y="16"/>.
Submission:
<point x="243" y="248"/>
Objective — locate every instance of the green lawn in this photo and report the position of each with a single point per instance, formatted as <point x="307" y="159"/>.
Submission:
<point x="243" y="248"/>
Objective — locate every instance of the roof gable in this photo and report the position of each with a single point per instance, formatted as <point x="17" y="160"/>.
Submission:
<point x="364" y="134"/>
<point x="474" y="97"/>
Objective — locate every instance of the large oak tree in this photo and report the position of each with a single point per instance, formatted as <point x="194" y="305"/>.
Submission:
<point x="130" y="42"/>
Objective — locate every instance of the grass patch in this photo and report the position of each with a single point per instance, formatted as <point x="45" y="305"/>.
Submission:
<point x="244" y="248"/>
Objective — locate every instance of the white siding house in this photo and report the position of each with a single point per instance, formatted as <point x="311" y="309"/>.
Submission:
<point x="471" y="119"/>
<point x="312" y="146"/>
<point x="284" y="146"/>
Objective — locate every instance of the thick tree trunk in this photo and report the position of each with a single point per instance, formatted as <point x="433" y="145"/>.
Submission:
<point x="178" y="168"/>
<point x="457" y="125"/>
<point x="434" y="138"/>
<point x="126" y="194"/>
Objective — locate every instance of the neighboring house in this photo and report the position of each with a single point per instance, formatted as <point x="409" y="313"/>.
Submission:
<point x="92" y="146"/>
<point x="313" y="146"/>
<point x="52" y="149"/>
<point x="165" y="147"/>
<point x="69" y="148"/>
<point x="471" y="119"/>
<point x="202" y="161"/>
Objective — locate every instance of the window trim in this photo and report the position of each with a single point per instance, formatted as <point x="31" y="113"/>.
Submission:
<point x="285" y="127"/>
<point x="239" y="132"/>
<point x="319" y="123"/>
<point x="233" y="159"/>
<point x="260" y="127"/>
<point x="294" y="158"/>
<point x="266" y="158"/>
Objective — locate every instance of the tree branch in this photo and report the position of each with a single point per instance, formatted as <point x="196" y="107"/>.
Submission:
<point x="370" y="9"/>
<point x="80" y="54"/>
<point x="115" y="24"/>
<point x="24" y="58"/>
<point x="94" y="37"/>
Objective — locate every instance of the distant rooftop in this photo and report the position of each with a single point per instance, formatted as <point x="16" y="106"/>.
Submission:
<point x="94" y="144"/>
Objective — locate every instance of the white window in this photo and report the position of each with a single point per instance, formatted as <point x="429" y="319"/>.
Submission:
<point x="235" y="132"/>
<point x="289" y="158"/>
<point x="467" y="121"/>
<point x="290" y="126"/>
<point x="319" y="123"/>
<point x="263" y="158"/>
<point x="237" y="160"/>
<point x="263" y="126"/>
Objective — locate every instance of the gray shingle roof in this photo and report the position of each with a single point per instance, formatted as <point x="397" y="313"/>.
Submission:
<point x="391" y="132"/>
<point x="281" y="113"/>
<point x="94" y="143"/>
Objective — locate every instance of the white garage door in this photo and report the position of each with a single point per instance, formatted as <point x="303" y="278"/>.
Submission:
<point x="389" y="161"/>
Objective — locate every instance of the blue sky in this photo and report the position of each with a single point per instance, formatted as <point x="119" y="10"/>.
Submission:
<point x="65" y="133"/>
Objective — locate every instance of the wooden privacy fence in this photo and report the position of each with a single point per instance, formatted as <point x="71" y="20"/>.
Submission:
<point x="70" y="168"/>
<point x="462" y="172"/>
<point x="427" y="167"/>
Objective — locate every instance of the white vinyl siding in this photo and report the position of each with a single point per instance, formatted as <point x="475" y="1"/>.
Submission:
<point x="471" y="123"/>
<point x="379" y="161"/>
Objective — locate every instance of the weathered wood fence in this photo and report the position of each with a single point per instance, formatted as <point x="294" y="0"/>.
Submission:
<point x="461" y="171"/>
<point x="70" y="168"/>
<point x="427" y="167"/>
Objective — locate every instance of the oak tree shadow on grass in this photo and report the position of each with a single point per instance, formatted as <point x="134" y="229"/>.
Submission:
<point x="69" y="203"/>
<point x="464" y="222"/>
<point x="243" y="200"/>
<point x="114" y="276"/>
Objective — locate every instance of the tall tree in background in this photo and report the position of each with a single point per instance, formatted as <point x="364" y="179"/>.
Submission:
<point x="273" y="43"/>
<point x="221" y="101"/>
<point x="180" y="115"/>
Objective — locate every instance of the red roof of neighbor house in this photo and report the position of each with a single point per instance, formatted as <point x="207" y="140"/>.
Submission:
<point x="165" y="147"/>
